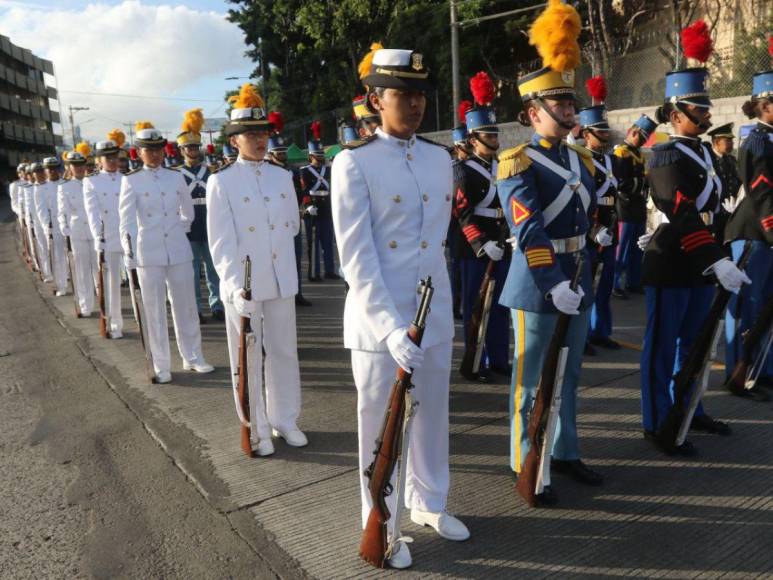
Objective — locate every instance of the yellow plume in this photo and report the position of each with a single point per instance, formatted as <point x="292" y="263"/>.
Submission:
<point x="193" y="121"/>
<point x="83" y="148"/>
<point x="117" y="136"/>
<point x="367" y="60"/>
<point x="140" y="125"/>
<point x="248" y="98"/>
<point x="554" y="34"/>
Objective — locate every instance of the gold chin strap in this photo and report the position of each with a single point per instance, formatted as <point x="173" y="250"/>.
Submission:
<point x="401" y="74"/>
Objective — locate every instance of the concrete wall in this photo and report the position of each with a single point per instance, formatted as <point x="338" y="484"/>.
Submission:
<point x="724" y="111"/>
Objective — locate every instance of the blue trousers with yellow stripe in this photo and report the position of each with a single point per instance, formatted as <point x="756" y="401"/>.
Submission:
<point x="533" y="331"/>
<point x="674" y="317"/>
<point x="601" y="313"/>
<point x="745" y="307"/>
<point x="496" y="351"/>
<point x="629" y="255"/>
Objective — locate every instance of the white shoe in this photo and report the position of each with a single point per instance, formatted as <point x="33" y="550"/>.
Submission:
<point x="294" y="438"/>
<point x="48" y="279"/>
<point x="61" y="293"/>
<point x="86" y="314"/>
<point x="116" y="334"/>
<point x="265" y="447"/>
<point x="400" y="559"/>
<point x="163" y="377"/>
<point x="446" y="525"/>
<point x="199" y="367"/>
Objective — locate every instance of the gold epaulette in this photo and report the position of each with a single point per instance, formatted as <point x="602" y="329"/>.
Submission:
<point x="586" y="156"/>
<point x="223" y="168"/>
<point x="357" y="143"/>
<point x="513" y="161"/>
<point x="622" y="151"/>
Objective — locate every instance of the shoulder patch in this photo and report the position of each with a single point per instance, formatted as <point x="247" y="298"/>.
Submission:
<point x="361" y="142"/>
<point x="585" y="156"/>
<point x="430" y="141"/>
<point x="755" y="143"/>
<point x="664" y="154"/>
<point x="513" y="161"/>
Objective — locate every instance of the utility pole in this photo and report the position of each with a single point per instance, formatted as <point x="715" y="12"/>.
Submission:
<point x="74" y="110"/>
<point x="454" y="62"/>
<point x="263" y="72"/>
<point x="130" y="127"/>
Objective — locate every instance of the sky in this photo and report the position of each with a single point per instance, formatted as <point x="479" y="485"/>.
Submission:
<point x="179" y="54"/>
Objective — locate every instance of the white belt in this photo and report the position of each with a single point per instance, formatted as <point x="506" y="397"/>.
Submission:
<point x="489" y="212"/>
<point x="606" y="201"/>
<point x="199" y="201"/>
<point x="568" y="245"/>
<point x="319" y="193"/>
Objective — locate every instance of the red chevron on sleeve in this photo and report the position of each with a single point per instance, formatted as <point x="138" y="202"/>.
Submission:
<point x="471" y="232"/>
<point x="761" y="179"/>
<point x="520" y="212"/>
<point x="695" y="240"/>
<point x="461" y="200"/>
<point x="680" y="199"/>
<point x="767" y="223"/>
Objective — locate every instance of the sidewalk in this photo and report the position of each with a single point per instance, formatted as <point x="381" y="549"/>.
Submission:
<point x="654" y="516"/>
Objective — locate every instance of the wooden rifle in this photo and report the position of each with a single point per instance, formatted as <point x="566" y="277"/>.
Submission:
<point x="743" y="379"/>
<point x="543" y="419"/>
<point x="71" y="269"/>
<point x="103" y="331"/>
<point x="673" y="430"/>
<point x="476" y="332"/>
<point x="138" y="307"/>
<point x="51" y="248"/>
<point x="246" y="340"/>
<point x="374" y="546"/>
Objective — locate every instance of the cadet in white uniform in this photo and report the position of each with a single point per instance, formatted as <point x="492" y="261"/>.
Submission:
<point x="74" y="224"/>
<point x="47" y="216"/>
<point x="391" y="204"/>
<point x="100" y="193"/>
<point x="14" y="190"/>
<point x="40" y="228"/>
<point x="252" y="211"/>
<point x="27" y="202"/>
<point x="155" y="214"/>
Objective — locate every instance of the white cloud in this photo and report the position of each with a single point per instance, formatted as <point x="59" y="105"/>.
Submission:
<point x="132" y="48"/>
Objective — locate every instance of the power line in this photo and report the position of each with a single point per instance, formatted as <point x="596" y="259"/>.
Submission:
<point x="123" y="96"/>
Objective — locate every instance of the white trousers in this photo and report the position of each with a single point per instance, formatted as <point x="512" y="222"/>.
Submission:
<point x="41" y="247"/>
<point x="176" y="282"/>
<point x="60" y="259"/>
<point x="84" y="262"/>
<point x="427" y="475"/>
<point x="113" y="268"/>
<point x="278" y="405"/>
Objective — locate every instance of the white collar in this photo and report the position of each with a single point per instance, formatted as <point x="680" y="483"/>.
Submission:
<point x="395" y="141"/>
<point x="249" y="163"/>
<point x="151" y="169"/>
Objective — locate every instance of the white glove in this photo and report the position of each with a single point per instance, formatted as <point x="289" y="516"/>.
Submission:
<point x="242" y="306"/>
<point x="513" y="241"/>
<point x="312" y="210"/>
<point x="644" y="240"/>
<point x="729" y="275"/>
<point x="604" y="237"/>
<point x="730" y="204"/>
<point x="99" y="245"/>
<point x="405" y="352"/>
<point x="130" y="263"/>
<point x="492" y="250"/>
<point x="565" y="299"/>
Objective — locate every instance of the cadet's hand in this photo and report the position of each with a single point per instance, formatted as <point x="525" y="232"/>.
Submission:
<point x="312" y="210"/>
<point x="129" y="262"/>
<point x="513" y="241"/>
<point x="730" y="204"/>
<point x="492" y="250"/>
<point x="644" y="240"/>
<point x="729" y="275"/>
<point x="604" y="237"/>
<point x="99" y="245"/>
<point x="405" y="352"/>
<point x="242" y="306"/>
<point x="565" y="299"/>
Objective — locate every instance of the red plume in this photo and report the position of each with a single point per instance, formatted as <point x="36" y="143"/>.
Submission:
<point x="210" y="149"/>
<point x="482" y="88"/>
<point x="696" y="41"/>
<point x="597" y="88"/>
<point x="277" y="120"/>
<point x="169" y="148"/>
<point x="464" y="106"/>
<point x="770" y="45"/>
<point x="316" y="130"/>
<point x="133" y="153"/>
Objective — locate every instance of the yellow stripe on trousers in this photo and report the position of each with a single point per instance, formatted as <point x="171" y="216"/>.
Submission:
<point x="521" y="330"/>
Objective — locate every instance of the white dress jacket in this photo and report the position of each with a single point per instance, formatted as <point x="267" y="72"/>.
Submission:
<point x="101" y="195"/>
<point x="72" y="210"/>
<point x="391" y="202"/>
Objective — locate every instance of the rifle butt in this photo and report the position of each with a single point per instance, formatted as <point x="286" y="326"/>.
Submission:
<point x="246" y="445"/>
<point x="527" y="478"/>
<point x="669" y="430"/>
<point x="373" y="545"/>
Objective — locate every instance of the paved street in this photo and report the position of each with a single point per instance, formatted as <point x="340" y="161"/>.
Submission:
<point x="105" y="475"/>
